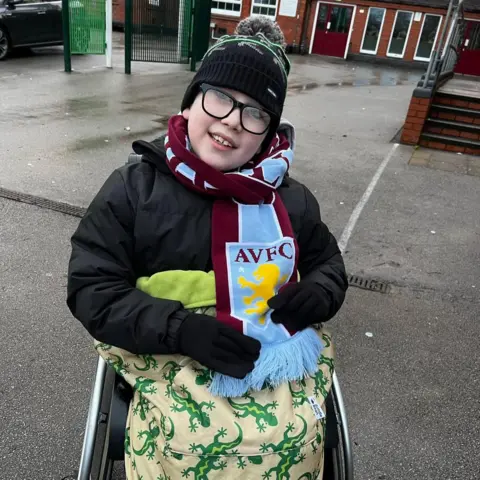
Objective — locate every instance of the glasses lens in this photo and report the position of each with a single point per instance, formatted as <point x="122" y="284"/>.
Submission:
<point x="255" y="120"/>
<point x="216" y="103"/>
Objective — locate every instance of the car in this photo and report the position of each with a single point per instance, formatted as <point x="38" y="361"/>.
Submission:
<point x="33" y="23"/>
<point x="29" y="23"/>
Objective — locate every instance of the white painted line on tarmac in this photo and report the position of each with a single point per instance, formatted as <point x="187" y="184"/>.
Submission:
<point x="347" y="232"/>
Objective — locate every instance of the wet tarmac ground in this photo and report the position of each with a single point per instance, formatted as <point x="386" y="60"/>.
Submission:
<point x="407" y="360"/>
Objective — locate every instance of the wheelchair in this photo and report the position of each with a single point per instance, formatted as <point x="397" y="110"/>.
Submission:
<point x="104" y="437"/>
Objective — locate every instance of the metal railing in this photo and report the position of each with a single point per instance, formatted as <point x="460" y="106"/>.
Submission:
<point x="447" y="51"/>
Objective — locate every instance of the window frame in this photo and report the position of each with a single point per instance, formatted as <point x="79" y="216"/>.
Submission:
<point x="371" y="52"/>
<point x="277" y="4"/>
<point x="423" y="59"/>
<point x="396" y="55"/>
<point x="227" y="13"/>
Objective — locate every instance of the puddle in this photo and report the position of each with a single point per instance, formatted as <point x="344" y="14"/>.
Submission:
<point x="98" y="142"/>
<point x="380" y="79"/>
<point x="367" y="82"/>
<point x="305" y="86"/>
<point x="74" y="105"/>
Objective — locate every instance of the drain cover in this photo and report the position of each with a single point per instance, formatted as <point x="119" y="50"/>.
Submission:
<point x="41" y="202"/>
<point x="368" y="284"/>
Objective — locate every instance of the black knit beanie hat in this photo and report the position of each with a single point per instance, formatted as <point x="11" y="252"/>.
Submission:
<point x="252" y="61"/>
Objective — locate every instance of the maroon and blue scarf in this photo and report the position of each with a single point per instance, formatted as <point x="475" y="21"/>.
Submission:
<point x="254" y="254"/>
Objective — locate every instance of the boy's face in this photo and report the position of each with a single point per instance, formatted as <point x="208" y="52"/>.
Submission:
<point x="222" y="144"/>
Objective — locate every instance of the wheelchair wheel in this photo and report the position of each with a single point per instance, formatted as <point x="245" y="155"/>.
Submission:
<point x="338" y="460"/>
<point x="333" y="468"/>
<point x="102" y="466"/>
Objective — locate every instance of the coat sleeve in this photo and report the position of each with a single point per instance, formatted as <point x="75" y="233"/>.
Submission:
<point x="320" y="258"/>
<point x="101" y="289"/>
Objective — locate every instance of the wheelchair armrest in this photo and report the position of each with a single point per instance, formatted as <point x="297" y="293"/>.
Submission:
<point x="121" y="397"/>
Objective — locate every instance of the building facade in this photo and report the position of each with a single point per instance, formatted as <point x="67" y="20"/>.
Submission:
<point x="401" y="30"/>
<point x="405" y="30"/>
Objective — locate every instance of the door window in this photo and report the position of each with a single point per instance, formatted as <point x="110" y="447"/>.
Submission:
<point x="401" y="30"/>
<point x="322" y="17"/>
<point x="373" y="29"/>
<point x="428" y="37"/>
<point x="340" y="19"/>
<point x="474" y="37"/>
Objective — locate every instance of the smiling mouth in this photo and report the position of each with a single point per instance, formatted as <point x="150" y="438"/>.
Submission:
<point x="221" y="141"/>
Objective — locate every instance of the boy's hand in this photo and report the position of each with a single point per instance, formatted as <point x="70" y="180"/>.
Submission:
<point x="217" y="346"/>
<point x="300" y="305"/>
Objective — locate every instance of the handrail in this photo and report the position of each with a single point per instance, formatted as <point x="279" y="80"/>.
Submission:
<point x="445" y="54"/>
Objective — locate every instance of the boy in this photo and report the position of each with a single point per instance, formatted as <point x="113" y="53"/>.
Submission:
<point x="203" y="273"/>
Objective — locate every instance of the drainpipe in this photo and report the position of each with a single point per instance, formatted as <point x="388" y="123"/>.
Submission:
<point x="303" y="37"/>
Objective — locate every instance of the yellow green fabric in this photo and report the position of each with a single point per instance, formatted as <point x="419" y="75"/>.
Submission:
<point x="177" y="429"/>
<point x="194" y="289"/>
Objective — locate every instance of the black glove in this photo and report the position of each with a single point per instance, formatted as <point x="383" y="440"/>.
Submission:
<point x="300" y="305"/>
<point x="217" y="346"/>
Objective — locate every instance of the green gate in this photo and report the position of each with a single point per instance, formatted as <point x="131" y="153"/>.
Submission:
<point x="165" y="31"/>
<point x="87" y="26"/>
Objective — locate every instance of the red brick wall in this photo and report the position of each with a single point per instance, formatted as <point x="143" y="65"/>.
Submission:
<point x="291" y="26"/>
<point x="118" y="11"/>
<point x="361" y="19"/>
<point x="416" y="116"/>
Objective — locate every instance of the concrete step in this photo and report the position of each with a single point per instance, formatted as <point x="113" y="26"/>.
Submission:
<point x="458" y="111"/>
<point x="450" y="143"/>
<point x="453" y="125"/>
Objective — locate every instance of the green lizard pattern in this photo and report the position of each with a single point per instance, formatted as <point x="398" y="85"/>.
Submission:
<point x="142" y="407"/>
<point x="288" y="450"/>
<point x="323" y="360"/>
<point x="150" y="442"/>
<point x="170" y="372"/>
<point x="261" y="413"/>
<point x="184" y="401"/>
<point x="299" y="396"/>
<point x="321" y="382"/>
<point x="318" y="440"/>
<point x="254" y="459"/>
<point x="204" y="376"/>
<point x="167" y="435"/>
<point x="310" y="475"/>
<point x="145" y="385"/>
<point x="126" y="445"/>
<point x="327" y="339"/>
<point x="211" y="455"/>
<point x="104" y="347"/>
<point x="117" y="363"/>
<point x="149" y="361"/>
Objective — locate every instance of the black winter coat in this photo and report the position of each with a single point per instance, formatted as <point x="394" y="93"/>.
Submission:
<point x="143" y="221"/>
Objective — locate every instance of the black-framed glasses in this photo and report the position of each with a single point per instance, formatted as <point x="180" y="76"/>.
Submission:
<point x="219" y="104"/>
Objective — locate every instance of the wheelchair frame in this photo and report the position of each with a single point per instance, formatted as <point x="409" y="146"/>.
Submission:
<point x="107" y="416"/>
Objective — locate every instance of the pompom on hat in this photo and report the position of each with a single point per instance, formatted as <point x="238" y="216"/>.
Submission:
<point x="252" y="61"/>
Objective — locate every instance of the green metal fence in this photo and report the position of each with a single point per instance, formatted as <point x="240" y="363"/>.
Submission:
<point x="159" y="30"/>
<point x="201" y="29"/>
<point x="87" y="26"/>
<point x="166" y="31"/>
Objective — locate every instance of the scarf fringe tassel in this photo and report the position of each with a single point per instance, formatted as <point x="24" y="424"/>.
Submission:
<point x="278" y="363"/>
